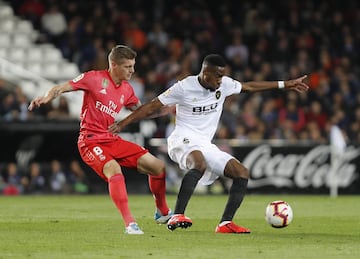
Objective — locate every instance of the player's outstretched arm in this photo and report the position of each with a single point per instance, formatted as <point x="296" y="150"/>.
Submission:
<point x="50" y="95"/>
<point x="145" y="111"/>
<point x="294" y="84"/>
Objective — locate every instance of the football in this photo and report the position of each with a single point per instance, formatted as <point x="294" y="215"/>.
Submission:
<point x="278" y="214"/>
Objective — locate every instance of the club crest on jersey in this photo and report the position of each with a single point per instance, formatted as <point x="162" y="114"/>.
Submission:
<point x="217" y="94"/>
<point x="104" y="85"/>
<point x="186" y="141"/>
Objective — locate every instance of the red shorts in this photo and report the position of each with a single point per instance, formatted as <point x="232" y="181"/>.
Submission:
<point x="96" y="154"/>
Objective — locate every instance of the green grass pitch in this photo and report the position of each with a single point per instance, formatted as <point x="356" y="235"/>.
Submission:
<point x="90" y="227"/>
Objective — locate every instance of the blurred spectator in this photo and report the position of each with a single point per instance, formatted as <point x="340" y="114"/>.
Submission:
<point x="138" y="86"/>
<point x="354" y="132"/>
<point x="9" y="108"/>
<point x="167" y="70"/>
<point x="86" y="56"/>
<point x="281" y="54"/>
<point x="4" y="88"/>
<point x="61" y="111"/>
<point x="228" y="117"/>
<point x="2" y="180"/>
<point x="292" y="116"/>
<point x="158" y="36"/>
<point x="269" y="115"/>
<point x="24" y="113"/>
<point x="13" y="104"/>
<point x="248" y="113"/>
<point x="134" y="36"/>
<point x="315" y="134"/>
<point x="54" y="24"/>
<point x="57" y="178"/>
<point x="241" y="132"/>
<point x="100" y="61"/>
<point x="36" y="183"/>
<point x="77" y="178"/>
<point x="13" y="184"/>
<point x="237" y="50"/>
<point x="32" y="10"/>
<point x="316" y="114"/>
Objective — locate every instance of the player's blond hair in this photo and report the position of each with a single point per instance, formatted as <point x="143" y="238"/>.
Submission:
<point x="120" y="52"/>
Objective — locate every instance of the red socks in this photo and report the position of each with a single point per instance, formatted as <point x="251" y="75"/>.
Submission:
<point x="157" y="186"/>
<point x="118" y="193"/>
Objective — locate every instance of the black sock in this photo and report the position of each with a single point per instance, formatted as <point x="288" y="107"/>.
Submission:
<point x="187" y="188"/>
<point x="236" y="195"/>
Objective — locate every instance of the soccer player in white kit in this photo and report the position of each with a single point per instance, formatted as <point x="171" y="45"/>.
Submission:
<point x="199" y="103"/>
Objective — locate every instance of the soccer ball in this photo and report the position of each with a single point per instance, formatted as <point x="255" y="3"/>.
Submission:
<point x="278" y="214"/>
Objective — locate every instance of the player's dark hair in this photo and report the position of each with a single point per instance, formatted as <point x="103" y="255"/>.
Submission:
<point x="215" y="60"/>
<point x="120" y="52"/>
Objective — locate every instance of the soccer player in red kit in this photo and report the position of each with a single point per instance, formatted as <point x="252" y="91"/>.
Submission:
<point x="106" y="92"/>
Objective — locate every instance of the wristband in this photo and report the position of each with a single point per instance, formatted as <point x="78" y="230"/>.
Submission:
<point x="281" y="84"/>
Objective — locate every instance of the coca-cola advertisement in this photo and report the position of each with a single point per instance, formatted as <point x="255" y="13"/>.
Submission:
<point x="301" y="168"/>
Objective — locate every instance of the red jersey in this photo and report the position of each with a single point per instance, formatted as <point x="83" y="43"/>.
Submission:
<point x="103" y="100"/>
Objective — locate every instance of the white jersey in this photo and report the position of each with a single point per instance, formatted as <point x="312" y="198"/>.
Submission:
<point x="198" y="110"/>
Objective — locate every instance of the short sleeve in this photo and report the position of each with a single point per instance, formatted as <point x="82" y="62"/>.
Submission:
<point x="82" y="81"/>
<point x="232" y="86"/>
<point x="132" y="99"/>
<point x="173" y="95"/>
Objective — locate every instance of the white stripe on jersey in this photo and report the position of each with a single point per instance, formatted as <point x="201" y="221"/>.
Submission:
<point x="198" y="110"/>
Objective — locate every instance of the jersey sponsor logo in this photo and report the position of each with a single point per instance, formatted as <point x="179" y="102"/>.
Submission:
<point x="199" y="110"/>
<point x="78" y="78"/>
<point x="109" y="109"/>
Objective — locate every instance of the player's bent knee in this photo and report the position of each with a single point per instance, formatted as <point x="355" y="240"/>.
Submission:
<point x="159" y="168"/>
<point x="111" y="168"/>
<point x="234" y="169"/>
<point x="201" y="169"/>
<point x="149" y="164"/>
<point x="198" y="165"/>
<point x="244" y="173"/>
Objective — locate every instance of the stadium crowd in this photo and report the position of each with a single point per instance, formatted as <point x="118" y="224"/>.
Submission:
<point x="261" y="40"/>
<point x="38" y="178"/>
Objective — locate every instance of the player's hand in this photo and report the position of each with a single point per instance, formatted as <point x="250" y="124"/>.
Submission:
<point x="297" y="84"/>
<point x="35" y="103"/>
<point x="115" y="128"/>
